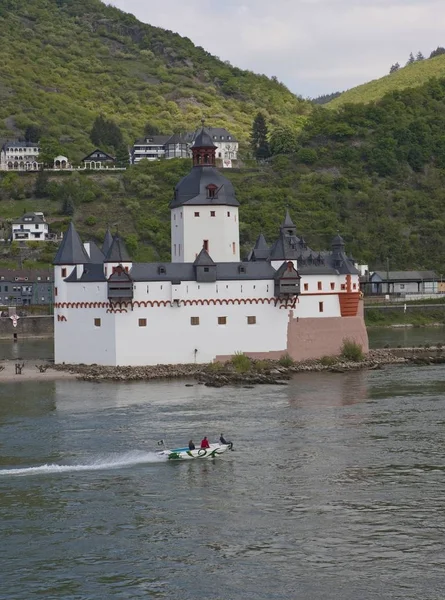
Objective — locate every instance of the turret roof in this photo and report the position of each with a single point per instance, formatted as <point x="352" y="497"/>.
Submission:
<point x="117" y="252"/>
<point x="192" y="189"/>
<point x="96" y="254"/>
<point x="71" y="250"/>
<point x="204" y="259"/>
<point x="107" y="242"/>
<point x="203" y="140"/>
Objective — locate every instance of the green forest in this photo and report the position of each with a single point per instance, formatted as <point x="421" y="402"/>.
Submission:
<point x="374" y="171"/>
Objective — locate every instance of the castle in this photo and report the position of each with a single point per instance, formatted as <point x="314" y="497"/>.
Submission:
<point x="206" y="304"/>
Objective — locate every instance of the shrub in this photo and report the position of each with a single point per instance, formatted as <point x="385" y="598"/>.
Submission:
<point x="241" y="362"/>
<point x="350" y="350"/>
<point x="215" y="367"/>
<point x="90" y="221"/>
<point x="261" y="365"/>
<point x="328" y="361"/>
<point x="286" y="360"/>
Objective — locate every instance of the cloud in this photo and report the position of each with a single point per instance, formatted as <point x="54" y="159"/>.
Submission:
<point x="313" y="46"/>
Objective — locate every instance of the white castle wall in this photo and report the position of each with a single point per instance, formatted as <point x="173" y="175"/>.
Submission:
<point x="188" y="233"/>
<point x="169" y="337"/>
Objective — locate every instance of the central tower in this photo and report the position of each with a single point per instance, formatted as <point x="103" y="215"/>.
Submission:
<point x="204" y="210"/>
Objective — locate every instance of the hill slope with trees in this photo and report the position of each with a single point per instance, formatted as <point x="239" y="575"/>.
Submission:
<point x="414" y="74"/>
<point x="64" y="62"/>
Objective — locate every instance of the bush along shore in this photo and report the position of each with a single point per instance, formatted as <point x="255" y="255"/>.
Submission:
<point x="243" y="371"/>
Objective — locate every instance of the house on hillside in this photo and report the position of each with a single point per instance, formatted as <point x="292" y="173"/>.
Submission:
<point x="32" y="227"/>
<point x="180" y="146"/>
<point x="20" y="156"/>
<point x="401" y="283"/>
<point x="149" y="148"/>
<point x="22" y="287"/>
<point x="98" y="159"/>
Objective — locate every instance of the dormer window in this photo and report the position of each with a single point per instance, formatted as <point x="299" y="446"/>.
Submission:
<point x="241" y="269"/>
<point x="212" y="191"/>
<point x="161" y="270"/>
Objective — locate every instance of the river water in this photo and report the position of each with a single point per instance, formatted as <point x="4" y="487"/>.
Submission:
<point x="335" y="489"/>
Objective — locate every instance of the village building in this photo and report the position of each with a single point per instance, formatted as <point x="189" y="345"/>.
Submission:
<point x="98" y="159"/>
<point x="401" y="283"/>
<point x="152" y="147"/>
<point x="20" y="156"/>
<point x="206" y="304"/>
<point x="23" y="287"/>
<point x="31" y="227"/>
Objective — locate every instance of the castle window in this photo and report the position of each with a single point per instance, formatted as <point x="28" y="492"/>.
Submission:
<point x="142" y="322"/>
<point x="319" y="285"/>
<point x="63" y="272"/>
<point x="233" y="247"/>
<point x="251" y="320"/>
<point x="174" y="249"/>
<point x="306" y="287"/>
<point x="161" y="270"/>
<point x="228" y="213"/>
<point x="196" y="214"/>
<point x="194" y="320"/>
<point x="55" y="291"/>
<point x="211" y="190"/>
<point x="354" y="287"/>
<point x="332" y="285"/>
<point x="206" y="269"/>
<point x="212" y="213"/>
<point x="205" y="245"/>
<point x="242" y="269"/>
<point x="222" y="320"/>
<point x="343" y="286"/>
<point x="97" y="322"/>
<point x="320" y="307"/>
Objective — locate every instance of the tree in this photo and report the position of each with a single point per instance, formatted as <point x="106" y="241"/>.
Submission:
<point x="258" y="137"/>
<point x="394" y="67"/>
<point x="68" y="207"/>
<point x="151" y="129"/>
<point x="49" y="149"/>
<point x="419" y="56"/>
<point x="283" y="140"/>
<point x="122" y="157"/>
<point x="411" y="59"/>
<point x="437" y="52"/>
<point x="106" y="133"/>
<point x="33" y="134"/>
<point x="41" y="185"/>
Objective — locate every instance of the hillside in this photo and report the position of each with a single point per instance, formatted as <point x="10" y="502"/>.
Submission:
<point x="413" y="75"/>
<point x="66" y="61"/>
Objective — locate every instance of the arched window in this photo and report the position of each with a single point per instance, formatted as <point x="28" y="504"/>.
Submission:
<point x="212" y="190"/>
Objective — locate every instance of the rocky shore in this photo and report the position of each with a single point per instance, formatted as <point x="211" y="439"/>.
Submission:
<point x="253" y="372"/>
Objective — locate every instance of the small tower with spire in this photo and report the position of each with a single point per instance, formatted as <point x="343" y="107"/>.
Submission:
<point x="204" y="210"/>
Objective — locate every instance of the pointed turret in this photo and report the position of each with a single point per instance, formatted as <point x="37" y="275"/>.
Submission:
<point x="261" y="249"/>
<point x="117" y="252"/>
<point x="95" y="254"/>
<point x="204" y="150"/>
<point x="107" y="242"/>
<point x="71" y="250"/>
<point x="288" y="225"/>
<point x="338" y="243"/>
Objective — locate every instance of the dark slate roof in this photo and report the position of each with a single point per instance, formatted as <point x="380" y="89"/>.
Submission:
<point x="20" y="145"/>
<point x="91" y="273"/>
<point x="107" y="242"/>
<point x="203" y="140"/>
<point x="33" y="216"/>
<point x="406" y="275"/>
<point x="117" y="252"/>
<point x="192" y="189"/>
<point x="25" y="275"/>
<point x="261" y="249"/>
<point x="71" y="250"/>
<point x="338" y="241"/>
<point x="177" y="138"/>
<point x="287" y="223"/>
<point x="203" y="259"/>
<point x="96" y="255"/>
<point x="107" y="156"/>
<point x="186" y="271"/>
<point x="152" y="140"/>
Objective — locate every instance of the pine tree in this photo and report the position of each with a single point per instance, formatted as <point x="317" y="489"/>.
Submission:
<point x="437" y="52"/>
<point x="419" y="56"/>
<point x="394" y="67"/>
<point x="33" y="134"/>
<point x="41" y="185"/>
<point x="411" y="59"/>
<point x="68" y="207"/>
<point x="106" y="133"/>
<point x="258" y="137"/>
<point x="122" y="156"/>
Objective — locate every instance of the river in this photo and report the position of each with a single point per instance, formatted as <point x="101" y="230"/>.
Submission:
<point x="334" y="491"/>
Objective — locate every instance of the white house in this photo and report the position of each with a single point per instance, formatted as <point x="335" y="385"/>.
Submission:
<point x="206" y="304"/>
<point x="31" y="226"/>
<point x="20" y="156"/>
<point x="152" y="147"/>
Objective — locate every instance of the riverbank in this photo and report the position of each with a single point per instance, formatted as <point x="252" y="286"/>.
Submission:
<point x="252" y="373"/>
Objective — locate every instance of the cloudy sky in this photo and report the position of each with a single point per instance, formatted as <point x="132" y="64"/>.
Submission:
<point x="313" y="46"/>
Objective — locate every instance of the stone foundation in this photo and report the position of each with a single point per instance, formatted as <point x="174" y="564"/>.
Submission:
<point x="27" y="327"/>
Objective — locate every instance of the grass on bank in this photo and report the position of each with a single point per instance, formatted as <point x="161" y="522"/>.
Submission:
<point x="418" y="318"/>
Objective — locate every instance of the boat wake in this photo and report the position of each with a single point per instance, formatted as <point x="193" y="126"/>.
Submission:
<point x="103" y="463"/>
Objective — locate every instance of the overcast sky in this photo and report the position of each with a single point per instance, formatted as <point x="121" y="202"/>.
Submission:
<point x="313" y="46"/>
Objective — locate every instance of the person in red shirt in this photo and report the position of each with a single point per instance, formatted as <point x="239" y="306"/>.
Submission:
<point x="205" y="443"/>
